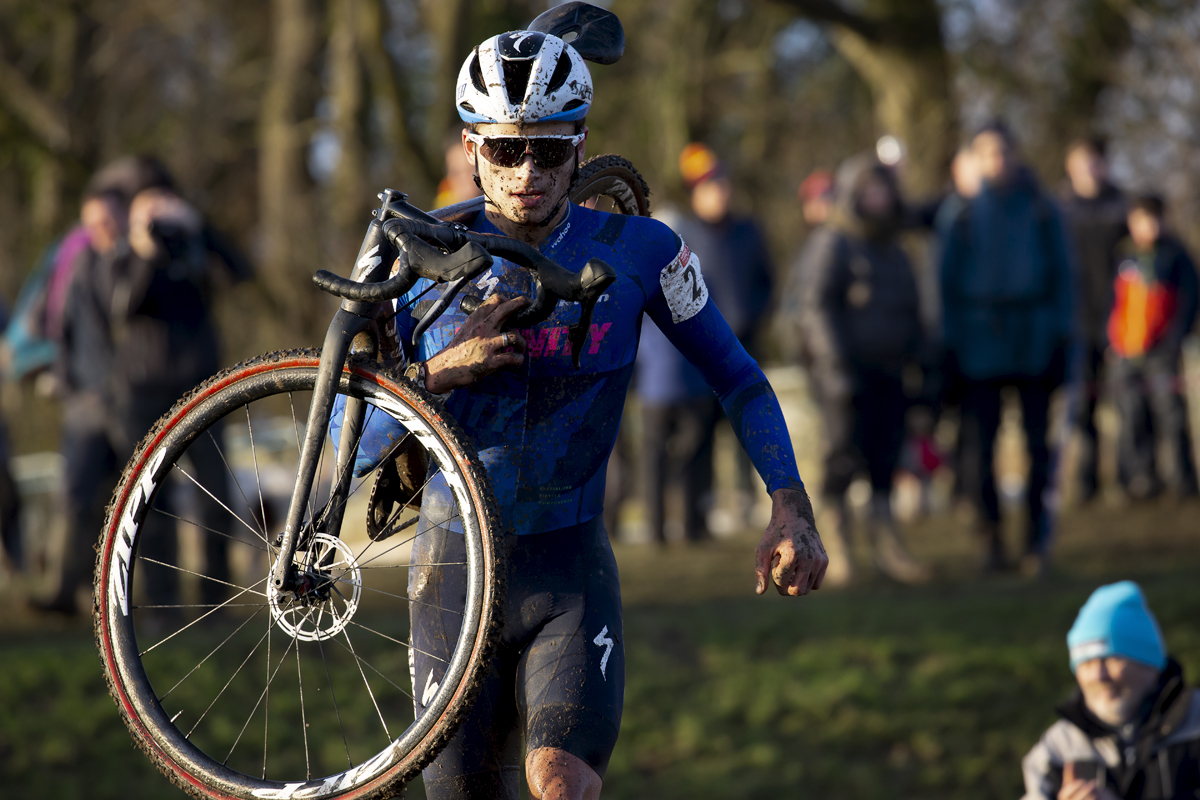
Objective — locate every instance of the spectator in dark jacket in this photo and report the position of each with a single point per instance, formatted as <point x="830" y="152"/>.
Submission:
<point x="1095" y="212"/>
<point x="1007" y="321"/>
<point x="737" y="268"/>
<point x="678" y="412"/>
<point x="136" y="335"/>
<point x="860" y="324"/>
<point x="1131" y="730"/>
<point x="1156" y="297"/>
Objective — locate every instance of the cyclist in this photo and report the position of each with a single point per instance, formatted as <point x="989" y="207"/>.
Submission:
<point x="545" y="430"/>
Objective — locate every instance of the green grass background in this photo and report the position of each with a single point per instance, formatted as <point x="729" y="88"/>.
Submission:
<point x="876" y="691"/>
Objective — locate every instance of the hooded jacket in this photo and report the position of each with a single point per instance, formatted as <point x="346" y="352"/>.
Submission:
<point x="1160" y="760"/>
<point x="1007" y="283"/>
<point x="859" y="304"/>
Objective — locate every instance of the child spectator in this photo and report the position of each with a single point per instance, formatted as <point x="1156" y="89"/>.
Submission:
<point x="1155" y="300"/>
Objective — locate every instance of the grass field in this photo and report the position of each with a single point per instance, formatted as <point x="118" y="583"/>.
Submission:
<point x="876" y="691"/>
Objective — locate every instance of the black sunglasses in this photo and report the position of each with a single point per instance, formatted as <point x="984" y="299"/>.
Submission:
<point x="508" y="151"/>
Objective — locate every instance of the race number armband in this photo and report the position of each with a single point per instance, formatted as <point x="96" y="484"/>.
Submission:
<point x="683" y="285"/>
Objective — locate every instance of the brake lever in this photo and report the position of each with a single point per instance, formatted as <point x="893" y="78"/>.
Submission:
<point x="595" y="279"/>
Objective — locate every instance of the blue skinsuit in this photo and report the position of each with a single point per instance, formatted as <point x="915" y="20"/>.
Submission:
<point x="544" y="432"/>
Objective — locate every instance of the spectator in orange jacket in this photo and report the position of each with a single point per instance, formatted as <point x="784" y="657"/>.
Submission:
<point x="1155" y="301"/>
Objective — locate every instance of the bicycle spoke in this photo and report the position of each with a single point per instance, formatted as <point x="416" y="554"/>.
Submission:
<point x="254" y="710"/>
<point x="263" y="531"/>
<point x="295" y="423"/>
<point x="267" y="707"/>
<point x="367" y="683"/>
<point x="363" y="662"/>
<point x="262" y="505"/>
<point x="211" y="654"/>
<point x="303" y="710"/>
<point x="397" y="641"/>
<point x="249" y="527"/>
<point x="205" y="615"/>
<point x="198" y="526"/>
<point x="411" y="565"/>
<point x="236" y="672"/>
<point x="398" y="545"/>
<point x="397" y="596"/>
<point x="333" y="694"/>
<point x="200" y="605"/>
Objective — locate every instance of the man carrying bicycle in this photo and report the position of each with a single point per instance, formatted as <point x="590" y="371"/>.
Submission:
<point x="545" y="429"/>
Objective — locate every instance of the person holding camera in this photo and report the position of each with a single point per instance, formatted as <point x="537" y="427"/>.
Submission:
<point x="1131" y="730"/>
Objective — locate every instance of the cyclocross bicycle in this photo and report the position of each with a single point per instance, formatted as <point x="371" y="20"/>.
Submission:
<point x="254" y="627"/>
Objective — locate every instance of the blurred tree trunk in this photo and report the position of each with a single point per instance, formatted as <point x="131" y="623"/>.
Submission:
<point x="41" y="106"/>
<point x="285" y="196"/>
<point x="446" y="21"/>
<point x="350" y="189"/>
<point x="898" y="49"/>
<point x="418" y="166"/>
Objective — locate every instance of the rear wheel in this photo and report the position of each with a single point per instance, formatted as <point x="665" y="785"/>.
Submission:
<point x="610" y="183"/>
<point x="237" y="690"/>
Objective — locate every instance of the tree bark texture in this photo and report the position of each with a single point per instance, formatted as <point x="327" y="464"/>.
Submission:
<point x="285" y="195"/>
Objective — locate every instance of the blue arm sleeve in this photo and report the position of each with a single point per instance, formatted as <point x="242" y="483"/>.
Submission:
<point x="706" y="340"/>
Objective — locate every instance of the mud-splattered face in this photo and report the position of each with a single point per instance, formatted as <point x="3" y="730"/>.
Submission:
<point x="525" y="194"/>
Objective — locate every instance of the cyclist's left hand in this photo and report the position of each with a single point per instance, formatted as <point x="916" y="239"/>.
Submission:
<point x="790" y="554"/>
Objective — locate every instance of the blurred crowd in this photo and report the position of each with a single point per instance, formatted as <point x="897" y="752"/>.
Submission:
<point x="116" y="324"/>
<point x="1024" y="293"/>
<point x="1028" y="293"/>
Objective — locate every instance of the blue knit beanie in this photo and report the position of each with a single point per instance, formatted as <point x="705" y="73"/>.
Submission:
<point x="1115" y="621"/>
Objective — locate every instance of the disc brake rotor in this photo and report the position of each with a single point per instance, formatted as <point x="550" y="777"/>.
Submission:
<point x="328" y="592"/>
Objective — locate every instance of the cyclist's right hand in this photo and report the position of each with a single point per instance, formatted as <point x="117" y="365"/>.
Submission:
<point x="479" y="347"/>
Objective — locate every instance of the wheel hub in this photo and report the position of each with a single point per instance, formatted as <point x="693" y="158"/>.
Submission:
<point x="327" y="592"/>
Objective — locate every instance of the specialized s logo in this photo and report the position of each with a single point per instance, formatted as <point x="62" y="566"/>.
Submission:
<point x="118" y="576"/>
<point x="604" y="640"/>
<point x="683" y="286"/>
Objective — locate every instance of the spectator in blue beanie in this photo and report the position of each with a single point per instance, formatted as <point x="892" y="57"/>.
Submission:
<point x="1131" y="730"/>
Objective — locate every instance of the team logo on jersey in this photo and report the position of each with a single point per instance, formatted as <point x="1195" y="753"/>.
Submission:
<point x="683" y="286"/>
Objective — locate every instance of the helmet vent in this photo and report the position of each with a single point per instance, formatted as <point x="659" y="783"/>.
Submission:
<point x="561" y="72"/>
<point x="477" y="74"/>
<point x="516" y="79"/>
<point x="573" y="104"/>
<point x="470" y="109"/>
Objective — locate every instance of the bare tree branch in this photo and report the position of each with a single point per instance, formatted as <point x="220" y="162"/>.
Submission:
<point x="36" y="110"/>
<point x="833" y="12"/>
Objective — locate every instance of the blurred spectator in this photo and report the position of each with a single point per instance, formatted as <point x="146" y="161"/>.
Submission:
<point x="85" y="370"/>
<point x="459" y="183"/>
<point x="860" y="322"/>
<point x="1007" y="308"/>
<point x="10" y="499"/>
<point x="964" y="174"/>
<point x="816" y="197"/>
<point x="1155" y="307"/>
<point x="1131" y="730"/>
<point x="737" y="267"/>
<point x="678" y="414"/>
<point x="1095" y="211"/>
<point x="136" y="335"/>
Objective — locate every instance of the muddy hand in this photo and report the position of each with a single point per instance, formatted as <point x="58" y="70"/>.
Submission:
<point x="790" y="554"/>
<point x="479" y="347"/>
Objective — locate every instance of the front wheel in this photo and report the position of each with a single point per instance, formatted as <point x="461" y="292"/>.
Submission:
<point x="236" y="690"/>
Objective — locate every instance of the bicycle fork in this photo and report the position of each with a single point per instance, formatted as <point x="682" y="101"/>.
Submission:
<point x="352" y="320"/>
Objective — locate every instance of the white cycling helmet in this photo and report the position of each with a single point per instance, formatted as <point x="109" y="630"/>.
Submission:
<point x="521" y="77"/>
